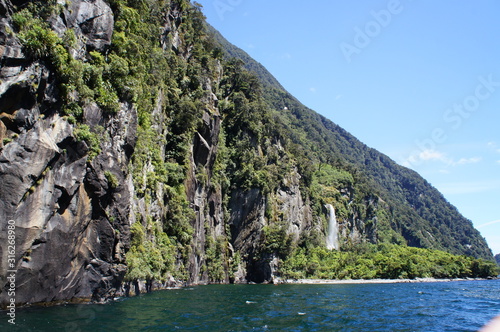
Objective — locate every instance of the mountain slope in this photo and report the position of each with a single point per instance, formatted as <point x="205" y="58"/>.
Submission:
<point x="136" y="154"/>
<point x="421" y="214"/>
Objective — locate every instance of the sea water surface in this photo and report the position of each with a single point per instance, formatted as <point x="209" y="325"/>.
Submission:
<point x="435" y="306"/>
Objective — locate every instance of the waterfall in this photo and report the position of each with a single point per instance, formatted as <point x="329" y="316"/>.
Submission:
<point x="332" y="237"/>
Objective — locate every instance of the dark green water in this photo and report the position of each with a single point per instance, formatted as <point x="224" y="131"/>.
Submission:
<point x="449" y="306"/>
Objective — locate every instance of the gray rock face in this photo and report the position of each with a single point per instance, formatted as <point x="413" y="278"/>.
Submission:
<point x="247" y="221"/>
<point x="294" y="211"/>
<point x="248" y="218"/>
<point x="206" y="200"/>
<point x="72" y="228"/>
<point x="92" y="19"/>
<point x="67" y="242"/>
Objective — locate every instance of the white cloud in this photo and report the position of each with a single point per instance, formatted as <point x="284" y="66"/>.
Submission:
<point x="465" y="161"/>
<point x="418" y="157"/>
<point x="287" y="56"/>
<point x="338" y="97"/>
<point x="494" y="146"/>
<point x="489" y="224"/>
<point x="312" y="89"/>
<point x="434" y="155"/>
<point x="431" y="155"/>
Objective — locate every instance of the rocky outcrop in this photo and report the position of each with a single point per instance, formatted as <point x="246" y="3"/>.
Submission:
<point x="205" y="197"/>
<point x="71" y="223"/>
<point x="92" y="22"/>
<point x="251" y="211"/>
<point x="291" y="207"/>
<point x="361" y="226"/>
<point x="247" y="221"/>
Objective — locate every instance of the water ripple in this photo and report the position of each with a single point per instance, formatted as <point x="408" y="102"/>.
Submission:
<point x="453" y="306"/>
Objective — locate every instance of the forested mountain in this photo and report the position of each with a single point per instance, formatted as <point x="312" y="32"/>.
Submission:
<point x="418" y="211"/>
<point x="139" y="149"/>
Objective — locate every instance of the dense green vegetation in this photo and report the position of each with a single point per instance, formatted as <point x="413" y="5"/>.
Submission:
<point x="384" y="261"/>
<point x="162" y="85"/>
<point x="265" y="135"/>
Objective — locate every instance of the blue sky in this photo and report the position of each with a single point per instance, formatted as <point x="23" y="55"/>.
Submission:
<point x="418" y="80"/>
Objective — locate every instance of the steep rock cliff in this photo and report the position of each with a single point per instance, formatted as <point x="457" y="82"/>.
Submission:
<point x="71" y="223"/>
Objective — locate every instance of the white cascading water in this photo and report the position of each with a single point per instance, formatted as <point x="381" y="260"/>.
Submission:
<point x="332" y="237"/>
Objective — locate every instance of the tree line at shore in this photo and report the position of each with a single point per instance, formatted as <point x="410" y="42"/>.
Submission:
<point x="384" y="261"/>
